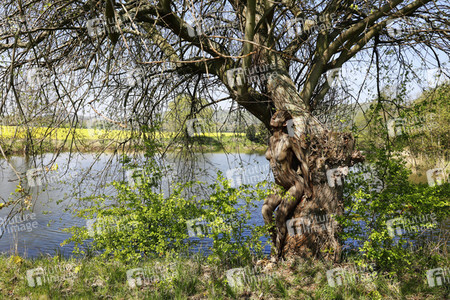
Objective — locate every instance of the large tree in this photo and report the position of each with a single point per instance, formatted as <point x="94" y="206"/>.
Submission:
<point x="274" y="59"/>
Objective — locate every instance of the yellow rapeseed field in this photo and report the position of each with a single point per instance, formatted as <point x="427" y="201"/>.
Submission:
<point x="9" y="132"/>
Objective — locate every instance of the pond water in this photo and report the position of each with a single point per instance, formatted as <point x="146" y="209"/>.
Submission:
<point x="39" y="231"/>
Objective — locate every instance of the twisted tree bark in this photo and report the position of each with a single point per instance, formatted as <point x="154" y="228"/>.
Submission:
<point x="306" y="159"/>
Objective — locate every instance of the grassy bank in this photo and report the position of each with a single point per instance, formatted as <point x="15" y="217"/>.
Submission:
<point x="196" y="279"/>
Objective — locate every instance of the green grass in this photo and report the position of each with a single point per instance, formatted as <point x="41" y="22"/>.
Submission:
<point x="196" y="279"/>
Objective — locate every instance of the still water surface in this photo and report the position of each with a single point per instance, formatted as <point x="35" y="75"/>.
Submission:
<point x="40" y="230"/>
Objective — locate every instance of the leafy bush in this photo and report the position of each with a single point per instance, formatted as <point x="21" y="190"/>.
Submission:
<point x="140" y="222"/>
<point x="228" y="211"/>
<point x="380" y="200"/>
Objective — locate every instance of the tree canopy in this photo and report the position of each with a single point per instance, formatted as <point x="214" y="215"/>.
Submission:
<point x="76" y="55"/>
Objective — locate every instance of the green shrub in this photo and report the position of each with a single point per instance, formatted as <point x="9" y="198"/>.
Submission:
<point x="138" y="221"/>
<point x="372" y="216"/>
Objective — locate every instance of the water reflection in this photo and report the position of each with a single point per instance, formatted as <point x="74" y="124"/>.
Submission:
<point x="58" y="183"/>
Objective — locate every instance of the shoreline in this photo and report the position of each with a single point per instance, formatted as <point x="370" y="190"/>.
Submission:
<point x="19" y="147"/>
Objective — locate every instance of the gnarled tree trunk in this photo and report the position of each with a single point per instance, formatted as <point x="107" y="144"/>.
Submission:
<point x="304" y="220"/>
